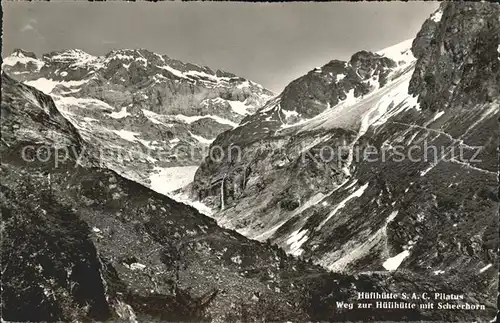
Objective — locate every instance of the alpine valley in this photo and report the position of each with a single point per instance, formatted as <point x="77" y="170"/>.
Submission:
<point x="115" y="209"/>
<point x="149" y="116"/>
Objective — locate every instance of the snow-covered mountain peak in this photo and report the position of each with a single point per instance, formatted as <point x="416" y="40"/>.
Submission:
<point x="328" y="89"/>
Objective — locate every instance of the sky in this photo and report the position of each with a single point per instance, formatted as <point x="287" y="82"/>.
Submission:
<point x="269" y="43"/>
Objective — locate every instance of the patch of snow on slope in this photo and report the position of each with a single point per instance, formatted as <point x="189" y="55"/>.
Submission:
<point x="289" y="114"/>
<point x="350" y="99"/>
<point x="120" y="114"/>
<point x="393" y="263"/>
<point x="374" y="82"/>
<point x="137" y="266"/>
<point x="193" y="75"/>
<point x="342" y="204"/>
<point x="339" y="77"/>
<point x="435" y="117"/>
<point x="314" y="200"/>
<point x="354" y="250"/>
<point x="168" y="179"/>
<point x="394" y="102"/>
<point x="191" y="119"/>
<point x="243" y="85"/>
<point x="409" y="141"/>
<point x="202" y="208"/>
<point x="493" y="109"/>
<point x="150" y="144"/>
<point x="391" y="217"/>
<point x="350" y="184"/>
<point x="425" y="171"/>
<point x="204" y="75"/>
<point x="153" y="117"/>
<point x="121" y="57"/>
<point x="270" y="105"/>
<point x="67" y="101"/>
<point x="367" y="112"/>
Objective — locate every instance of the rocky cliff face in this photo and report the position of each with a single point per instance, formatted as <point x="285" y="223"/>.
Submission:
<point x="335" y="82"/>
<point x="391" y="166"/>
<point x="81" y="242"/>
<point x="150" y="116"/>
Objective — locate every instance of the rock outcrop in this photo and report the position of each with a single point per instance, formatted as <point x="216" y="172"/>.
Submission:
<point x="81" y="242"/>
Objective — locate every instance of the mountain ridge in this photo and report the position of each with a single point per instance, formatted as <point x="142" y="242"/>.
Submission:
<point x="81" y="242"/>
<point x="374" y="225"/>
